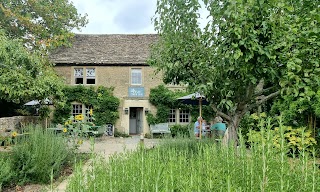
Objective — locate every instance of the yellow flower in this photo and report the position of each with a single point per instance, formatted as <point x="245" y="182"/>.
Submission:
<point x="65" y="130"/>
<point x="79" y="117"/>
<point x="80" y="142"/>
<point x="14" y="134"/>
<point x="66" y="123"/>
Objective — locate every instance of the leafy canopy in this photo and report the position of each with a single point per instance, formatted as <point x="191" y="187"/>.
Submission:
<point x="25" y="76"/>
<point x="248" y="51"/>
<point x="41" y="23"/>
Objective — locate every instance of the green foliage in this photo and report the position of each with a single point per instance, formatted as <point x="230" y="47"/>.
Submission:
<point x="39" y="155"/>
<point x="199" y="165"/>
<point x="6" y="172"/>
<point x="24" y="75"/>
<point x="180" y="130"/>
<point x="165" y="99"/>
<point x="295" y="139"/>
<point x="41" y="24"/>
<point x="104" y="104"/>
<point x="249" y="52"/>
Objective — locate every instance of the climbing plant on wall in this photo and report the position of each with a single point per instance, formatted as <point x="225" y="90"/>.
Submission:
<point x="101" y="99"/>
<point x="164" y="100"/>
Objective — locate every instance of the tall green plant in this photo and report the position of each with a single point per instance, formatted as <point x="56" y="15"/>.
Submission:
<point x="38" y="155"/>
<point x="6" y="167"/>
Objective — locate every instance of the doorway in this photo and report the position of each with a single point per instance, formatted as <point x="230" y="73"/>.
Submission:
<point x="135" y="120"/>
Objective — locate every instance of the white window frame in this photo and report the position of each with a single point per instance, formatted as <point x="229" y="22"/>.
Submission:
<point x="172" y="116"/>
<point x="184" y="116"/>
<point x="135" y="75"/>
<point x="85" y="75"/>
<point x="81" y="109"/>
<point x="90" y="74"/>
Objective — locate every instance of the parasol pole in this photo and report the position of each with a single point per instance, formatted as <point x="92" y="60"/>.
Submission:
<point x="200" y="128"/>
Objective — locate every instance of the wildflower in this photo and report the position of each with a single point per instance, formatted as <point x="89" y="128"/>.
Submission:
<point x="80" y="142"/>
<point x="65" y="130"/>
<point x="91" y="112"/>
<point x="14" y="134"/>
<point x="66" y="123"/>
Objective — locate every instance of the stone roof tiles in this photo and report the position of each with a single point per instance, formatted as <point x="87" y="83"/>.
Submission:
<point x="105" y="49"/>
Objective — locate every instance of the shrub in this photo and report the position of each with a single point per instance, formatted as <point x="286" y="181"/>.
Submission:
<point x="180" y="130"/>
<point x="296" y="139"/>
<point x="39" y="155"/>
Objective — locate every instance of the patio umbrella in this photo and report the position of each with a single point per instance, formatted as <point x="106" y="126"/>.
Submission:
<point x="37" y="102"/>
<point x="195" y="99"/>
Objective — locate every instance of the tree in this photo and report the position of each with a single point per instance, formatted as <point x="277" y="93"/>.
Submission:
<point x="40" y="23"/>
<point x="25" y="76"/>
<point x="250" y="51"/>
<point x="29" y="29"/>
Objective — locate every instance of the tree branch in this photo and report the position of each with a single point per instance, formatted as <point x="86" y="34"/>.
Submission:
<point x="223" y="115"/>
<point x="261" y="99"/>
<point x="263" y="91"/>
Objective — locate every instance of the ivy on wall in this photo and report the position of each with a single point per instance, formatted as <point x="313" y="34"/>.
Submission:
<point x="164" y="100"/>
<point x="105" y="105"/>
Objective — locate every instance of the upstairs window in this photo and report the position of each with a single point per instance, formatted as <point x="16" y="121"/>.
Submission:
<point x="78" y="75"/>
<point x="136" y="77"/>
<point x="91" y="76"/>
<point x="85" y="76"/>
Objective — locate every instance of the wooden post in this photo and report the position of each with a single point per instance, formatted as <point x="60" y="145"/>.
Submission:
<point x="200" y="112"/>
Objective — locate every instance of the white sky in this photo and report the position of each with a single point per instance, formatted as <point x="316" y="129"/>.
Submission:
<point x="120" y="16"/>
<point x="117" y="16"/>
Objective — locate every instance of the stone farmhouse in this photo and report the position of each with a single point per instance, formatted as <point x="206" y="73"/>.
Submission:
<point x="118" y="61"/>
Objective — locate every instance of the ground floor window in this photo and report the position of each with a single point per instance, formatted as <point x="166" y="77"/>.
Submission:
<point x="86" y="111"/>
<point x="172" y="116"/>
<point x="179" y="115"/>
<point x="184" y="116"/>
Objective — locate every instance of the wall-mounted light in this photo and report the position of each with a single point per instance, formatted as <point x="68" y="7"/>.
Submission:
<point x="126" y="111"/>
<point x="146" y="110"/>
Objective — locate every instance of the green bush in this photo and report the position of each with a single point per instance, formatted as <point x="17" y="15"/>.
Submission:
<point x="39" y="155"/>
<point x="180" y="130"/>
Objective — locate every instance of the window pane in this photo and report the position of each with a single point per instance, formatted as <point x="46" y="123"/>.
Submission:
<point x="78" y="72"/>
<point x="91" y="72"/>
<point x="136" y="77"/>
<point x="76" y="109"/>
<point x="91" y="81"/>
<point x="172" y="116"/>
<point x="184" y="116"/>
<point x="79" y="81"/>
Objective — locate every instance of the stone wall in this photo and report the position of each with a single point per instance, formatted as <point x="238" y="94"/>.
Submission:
<point x="8" y="124"/>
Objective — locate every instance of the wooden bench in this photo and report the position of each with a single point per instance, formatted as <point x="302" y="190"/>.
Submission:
<point x="161" y="128"/>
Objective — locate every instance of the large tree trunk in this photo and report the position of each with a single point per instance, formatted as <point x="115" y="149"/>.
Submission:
<point x="231" y="135"/>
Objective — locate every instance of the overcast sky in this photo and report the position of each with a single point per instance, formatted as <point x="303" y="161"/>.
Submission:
<point x="117" y="16"/>
<point x="120" y="16"/>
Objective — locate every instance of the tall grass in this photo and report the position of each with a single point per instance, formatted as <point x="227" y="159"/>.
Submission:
<point x="193" y="165"/>
<point x="38" y="156"/>
<point x="5" y="169"/>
